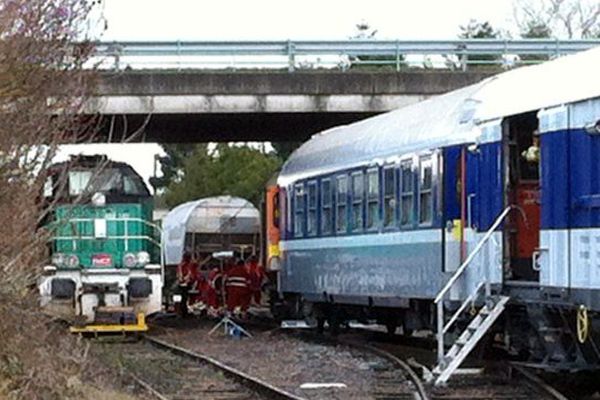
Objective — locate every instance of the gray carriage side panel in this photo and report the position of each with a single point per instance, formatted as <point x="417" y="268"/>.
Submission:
<point x="392" y="265"/>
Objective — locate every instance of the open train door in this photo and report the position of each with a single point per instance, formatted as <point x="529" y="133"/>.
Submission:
<point x="522" y="165"/>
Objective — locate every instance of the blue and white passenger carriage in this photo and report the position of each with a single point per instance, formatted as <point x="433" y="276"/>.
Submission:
<point x="488" y="195"/>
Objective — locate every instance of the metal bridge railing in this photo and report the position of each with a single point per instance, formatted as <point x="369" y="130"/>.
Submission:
<point x="343" y="54"/>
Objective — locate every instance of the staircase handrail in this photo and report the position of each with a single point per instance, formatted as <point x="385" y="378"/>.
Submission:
<point x="472" y="255"/>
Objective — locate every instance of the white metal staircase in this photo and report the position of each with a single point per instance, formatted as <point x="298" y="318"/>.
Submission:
<point x="448" y="362"/>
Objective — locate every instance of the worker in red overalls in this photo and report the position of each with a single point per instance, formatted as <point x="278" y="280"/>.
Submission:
<point x="214" y="291"/>
<point x="199" y="289"/>
<point x="256" y="276"/>
<point x="187" y="280"/>
<point x="237" y="288"/>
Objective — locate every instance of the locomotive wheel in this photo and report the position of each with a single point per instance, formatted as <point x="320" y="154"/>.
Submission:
<point x="334" y="325"/>
<point x="391" y="328"/>
<point x="320" y="325"/>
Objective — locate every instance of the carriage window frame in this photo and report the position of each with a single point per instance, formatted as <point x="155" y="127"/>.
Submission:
<point x="341" y="203"/>
<point x="327" y="220"/>
<point x="358" y="202"/>
<point x="372" y="219"/>
<point x="299" y="214"/>
<point x="426" y="190"/>
<point x="389" y="196"/>
<point x="289" y="212"/>
<point x="407" y="194"/>
<point x="311" y="209"/>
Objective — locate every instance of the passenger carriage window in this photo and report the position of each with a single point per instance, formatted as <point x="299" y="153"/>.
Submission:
<point x="327" y="203"/>
<point x="340" y="201"/>
<point x="389" y="201"/>
<point x="311" y="228"/>
<point x="372" y="198"/>
<point x="406" y="197"/>
<point x="425" y="191"/>
<point x="289" y="193"/>
<point x="358" y="191"/>
<point x="299" y="210"/>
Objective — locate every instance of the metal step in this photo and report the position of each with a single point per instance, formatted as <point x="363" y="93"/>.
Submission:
<point x="476" y="329"/>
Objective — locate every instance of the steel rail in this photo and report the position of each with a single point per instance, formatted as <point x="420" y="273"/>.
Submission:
<point x="147" y="387"/>
<point x="251" y="382"/>
<point x="420" y="391"/>
<point x="538" y="382"/>
<point x="420" y="388"/>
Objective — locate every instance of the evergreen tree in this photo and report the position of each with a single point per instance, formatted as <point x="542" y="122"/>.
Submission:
<point x="226" y="170"/>
<point x="479" y="30"/>
<point x="364" y="31"/>
<point x="285" y="149"/>
<point x="535" y="30"/>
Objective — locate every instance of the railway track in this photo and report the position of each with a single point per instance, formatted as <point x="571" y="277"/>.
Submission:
<point x="394" y="381"/>
<point x="169" y="372"/>
<point x="390" y="378"/>
<point x="175" y="372"/>
<point x="388" y="389"/>
<point x="502" y="382"/>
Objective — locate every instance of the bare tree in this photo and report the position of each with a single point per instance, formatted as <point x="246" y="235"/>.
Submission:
<point x="564" y="18"/>
<point x="43" y="88"/>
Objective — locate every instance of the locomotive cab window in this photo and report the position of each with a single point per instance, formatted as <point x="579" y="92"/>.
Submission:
<point x="407" y="193"/>
<point x="389" y="194"/>
<point x="372" y="198"/>
<point x="48" y="187"/>
<point x="357" y="201"/>
<point x="78" y="182"/>
<point x="426" y="191"/>
<point x="311" y="225"/>
<point x="299" y="210"/>
<point x="326" y="209"/>
<point x="340" y="201"/>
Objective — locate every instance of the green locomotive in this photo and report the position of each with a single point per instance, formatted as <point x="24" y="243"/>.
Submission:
<point x="106" y="257"/>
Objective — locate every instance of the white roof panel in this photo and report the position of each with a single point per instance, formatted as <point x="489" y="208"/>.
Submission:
<point x="448" y="119"/>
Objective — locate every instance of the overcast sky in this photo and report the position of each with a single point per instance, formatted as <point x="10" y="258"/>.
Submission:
<point x="280" y="20"/>
<point x="284" y="19"/>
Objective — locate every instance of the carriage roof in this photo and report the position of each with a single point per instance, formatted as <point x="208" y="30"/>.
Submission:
<point x="452" y="118"/>
<point x="221" y="215"/>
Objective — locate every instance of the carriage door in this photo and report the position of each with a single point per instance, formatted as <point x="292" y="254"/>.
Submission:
<point x="522" y="232"/>
<point x="453" y="206"/>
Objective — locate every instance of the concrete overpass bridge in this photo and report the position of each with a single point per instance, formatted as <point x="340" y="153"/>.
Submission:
<point x="285" y="91"/>
<point x="201" y="106"/>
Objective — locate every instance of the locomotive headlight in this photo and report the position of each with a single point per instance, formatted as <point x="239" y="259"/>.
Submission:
<point x="72" y="261"/>
<point x="143" y="258"/>
<point x="99" y="199"/>
<point x="129" y="260"/>
<point x="59" y="259"/>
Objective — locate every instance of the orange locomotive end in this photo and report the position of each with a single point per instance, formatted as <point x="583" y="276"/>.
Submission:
<point x="272" y="223"/>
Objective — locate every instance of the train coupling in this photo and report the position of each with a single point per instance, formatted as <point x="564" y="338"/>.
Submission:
<point x="113" y="320"/>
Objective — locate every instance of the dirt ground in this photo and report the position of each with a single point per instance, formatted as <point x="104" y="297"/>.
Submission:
<point x="289" y="362"/>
